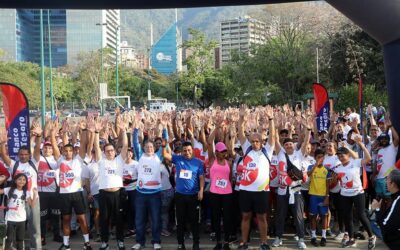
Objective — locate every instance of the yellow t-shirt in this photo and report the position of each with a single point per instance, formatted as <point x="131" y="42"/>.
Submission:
<point x="318" y="181"/>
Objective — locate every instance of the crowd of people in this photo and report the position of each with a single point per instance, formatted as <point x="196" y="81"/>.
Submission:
<point x="231" y="170"/>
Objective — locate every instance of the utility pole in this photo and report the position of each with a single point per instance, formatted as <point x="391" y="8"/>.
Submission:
<point x="43" y="85"/>
<point x="116" y="59"/>
<point x="101" y="69"/>
<point x="50" y="65"/>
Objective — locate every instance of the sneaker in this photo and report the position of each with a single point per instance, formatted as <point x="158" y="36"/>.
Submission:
<point x="322" y="243"/>
<point x="43" y="241"/>
<point x="371" y="242"/>
<point x="156" y="246"/>
<point x="339" y="236"/>
<point x="218" y="246"/>
<point x="130" y="234"/>
<point x="57" y="238"/>
<point x="181" y="247"/>
<point x="226" y="246"/>
<point x="314" y="242"/>
<point x="137" y="246"/>
<point x="296" y="238"/>
<point x="277" y="242"/>
<point x="196" y="246"/>
<point x="264" y="246"/>
<point x="243" y="246"/>
<point x="64" y="247"/>
<point x="301" y="244"/>
<point x="345" y="239"/>
<point x="359" y="235"/>
<point x="87" y="246"/>
<point x="120" y="245"/>
<point x="165" y="233"/>
<point x="104" y="246"/>
<point x="350" y="243"/>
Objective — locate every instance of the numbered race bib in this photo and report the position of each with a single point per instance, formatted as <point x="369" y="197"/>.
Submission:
<point x="251" y="166"/>
<point x="50" y="174"/>
<point x="110" y="171"/>
<point x="69" y="175"/>
<point x="147" y="171"/>
<point x="221" y="183"/>
<point x="185" y="174"/>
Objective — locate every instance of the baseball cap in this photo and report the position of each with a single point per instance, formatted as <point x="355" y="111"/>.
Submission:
<point x="220" y="146"/>
<point x="47" y="143"/>
<point x="238" y="146"/>
<point x="383" y="136"/>
<point x="342" y="150"/>
<point x="78" y="144"/>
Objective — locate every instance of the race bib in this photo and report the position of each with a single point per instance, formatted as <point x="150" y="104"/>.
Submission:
<point x="147" y="171"/>
<point x="69" y="175"/>
<point x="50" y="174"/>
<point x="111" y="171"/>
<point x="221" y="183"/>
<point x="185" y="174"/>
<point x="251" y="166"/>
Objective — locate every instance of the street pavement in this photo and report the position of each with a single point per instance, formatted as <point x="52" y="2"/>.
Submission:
<point x="169" y="243"/>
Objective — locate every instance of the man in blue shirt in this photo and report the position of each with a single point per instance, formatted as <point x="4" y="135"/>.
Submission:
<point x="189" y="191"/>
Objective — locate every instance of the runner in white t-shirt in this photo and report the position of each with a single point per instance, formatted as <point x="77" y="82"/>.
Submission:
<point x="254" y="184"/>
<point x="110" y="182"/>
<point x="130" y="179"/>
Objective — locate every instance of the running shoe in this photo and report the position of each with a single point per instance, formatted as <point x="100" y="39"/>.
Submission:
<point x="277" y="242"/>
<point x="137" y="246"/>
<point x="264" y="246"/>
<point x="322" y="243"/>
<point x="301" y="244"/>
<point x="120" y="245"/>
<point x="243" y="246"/>
<point x="64" y="247"/>
<point x="371" y="242"/>
<point x="156" y="246"/>
<point x="104" y="246"/>
<point x="87" y="246"/>
<point x="314" y="242"/>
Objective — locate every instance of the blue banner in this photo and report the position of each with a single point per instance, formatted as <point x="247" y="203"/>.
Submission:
<point x="16" y="113"/>
<point x="322" y="107"/>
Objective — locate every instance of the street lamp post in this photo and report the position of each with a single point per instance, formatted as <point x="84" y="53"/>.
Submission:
<point x="116" y="60"/>
<point x="43" y="86"/>
<point x="50" y="65"/>
<point x="101" y="69"/>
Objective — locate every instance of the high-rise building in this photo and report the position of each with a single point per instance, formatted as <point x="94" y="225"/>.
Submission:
<point x="89" y="30"/>
<point x="71" y="32"/>
<point x="166" y="54"/>
<point x="239" y="35"/>
<point x="21" y="35"/>
<point x="128" y="55"/>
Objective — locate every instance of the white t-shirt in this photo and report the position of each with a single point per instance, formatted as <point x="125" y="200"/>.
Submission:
<point x="91" y="171"/>
<point x="349" y="178"/>
<point x="273" y="172"/>
<point x="28" y="170"/>
<point x="16" y="206"/>
<point x="284" y="180"/>
<point x="149" y="174"/>
<point x="385" y="160"/>
<point x="305" y="163"/>
<point x="255" y="176"/>
<point x="70" y="174"/>
<point x="111" y="172"/>
<point x="165" y="183"/>
<point x="130" y="173"/>
<point x="48" y="175"/>
<point x="331" y="162"/>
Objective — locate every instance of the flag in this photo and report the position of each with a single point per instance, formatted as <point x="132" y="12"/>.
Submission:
<point x="322" y="107"/>
<point x="16" y="113"/>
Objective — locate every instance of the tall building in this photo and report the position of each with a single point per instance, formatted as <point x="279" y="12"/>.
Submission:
<point x="20" y="38"/>
<point x="128" y="55"/>
<point x="71" y="32"/>
<point x="166" y="54"/>
<point x="240" y="35"/>
<point x="89" y="30"/>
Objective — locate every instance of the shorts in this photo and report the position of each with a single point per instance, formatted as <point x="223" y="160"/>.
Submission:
<point x="381" y="189"/>
<point x="96" y="201"/>
<point x="71" y="201"/>
<point x="315" y="205"/>
<point x="256" y="202"/>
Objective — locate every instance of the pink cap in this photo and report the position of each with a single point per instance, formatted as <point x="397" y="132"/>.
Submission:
<point x="220" y="146"/>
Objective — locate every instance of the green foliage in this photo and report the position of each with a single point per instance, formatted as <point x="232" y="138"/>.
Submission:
<point x="348" y="96"/>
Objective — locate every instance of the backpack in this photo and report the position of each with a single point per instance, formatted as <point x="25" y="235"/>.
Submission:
<point x="263" y="150"/>
<point x="294" y="173"/>
<point x="15" y="168"/>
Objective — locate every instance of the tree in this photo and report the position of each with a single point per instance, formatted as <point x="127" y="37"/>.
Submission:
<point x="199" y="63"/>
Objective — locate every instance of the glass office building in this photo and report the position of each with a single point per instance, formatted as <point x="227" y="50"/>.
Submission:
<point x="71" y="32"/>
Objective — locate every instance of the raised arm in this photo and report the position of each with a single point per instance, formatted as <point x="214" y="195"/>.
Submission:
<point x="307" y="134"/>
<point x="124" y="138"/>
<point x="367" y="157"/>
<point x="36" y="133"/>
<point x="242" y="117"/>
<point x="53" y="126"/>
<point x="3" y="150"/>
<point x="166" y="151"/>
<point x="84" y="139"/>
<point x="395" y="135"/>
<point x="210" y="145"/>
<point x="270" y="114"/>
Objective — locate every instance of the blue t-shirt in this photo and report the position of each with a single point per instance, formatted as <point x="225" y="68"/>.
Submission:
<point x="188" y="174"/>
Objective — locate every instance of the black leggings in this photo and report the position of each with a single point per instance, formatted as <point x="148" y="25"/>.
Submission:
<point x="347" y="211"/>
<point x="219" y="203"/>
<point x="16" y="229"/>
<point x="337" y="211"/>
